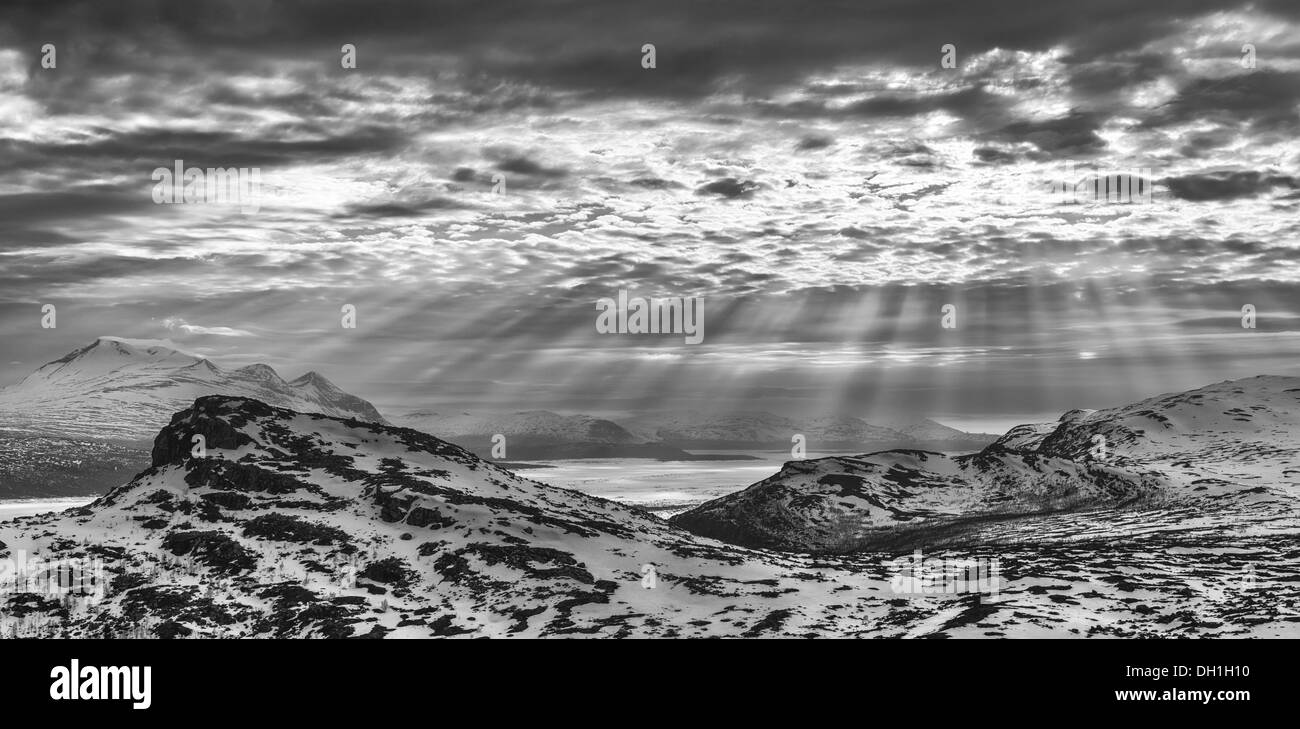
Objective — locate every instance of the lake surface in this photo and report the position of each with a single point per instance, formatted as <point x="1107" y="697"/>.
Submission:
<point x="666" y="487"/>
<point x="28" y="507"/>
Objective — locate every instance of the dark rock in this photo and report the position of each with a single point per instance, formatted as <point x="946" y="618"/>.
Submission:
<point x="228" y="500"/>
<point x="212" y="548"/>
<point x="390" y="571"/>
<point x="285" y="528"/>
<point x="172" y="629"/>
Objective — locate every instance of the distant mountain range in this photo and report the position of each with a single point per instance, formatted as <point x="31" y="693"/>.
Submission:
<point x="123" y="389"/>
<point x="541" y="434"/>
<point x="764" y="430"/>
<point x="1229" y="447"/>
<point x="79" y="424"/>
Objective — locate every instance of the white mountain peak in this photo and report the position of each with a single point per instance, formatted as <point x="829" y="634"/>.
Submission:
<point x="260" y="371"/>
<point x="117" y="387"/>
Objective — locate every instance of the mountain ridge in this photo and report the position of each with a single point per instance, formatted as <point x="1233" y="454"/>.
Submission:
<point x="570" y="436"/>
<point x="120" y="388"/>
<point x="1229" y="445"/>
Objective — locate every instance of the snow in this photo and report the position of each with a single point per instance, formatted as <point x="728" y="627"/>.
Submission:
<point x="28" y="507"/>
<point x="491" y="553"/>
<point x="118" y="388"/>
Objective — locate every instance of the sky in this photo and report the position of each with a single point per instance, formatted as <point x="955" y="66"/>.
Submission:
<point x="816" y="174"/>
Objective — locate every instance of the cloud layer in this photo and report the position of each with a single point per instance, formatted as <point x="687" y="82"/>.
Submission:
<point x="482" y="177"/>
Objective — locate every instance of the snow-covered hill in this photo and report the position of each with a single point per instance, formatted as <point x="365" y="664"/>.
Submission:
<point x="299" y="524"/>
<point x="1231" y="448"/>
<point x="125" y="389"/>
<point x="293" y="524"/>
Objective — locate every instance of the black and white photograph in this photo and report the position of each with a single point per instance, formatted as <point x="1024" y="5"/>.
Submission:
<point x="670" y="319"/>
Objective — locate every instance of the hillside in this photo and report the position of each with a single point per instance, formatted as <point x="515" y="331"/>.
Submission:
<point x="1227" y="448"/>
<point x="295" y="525"/>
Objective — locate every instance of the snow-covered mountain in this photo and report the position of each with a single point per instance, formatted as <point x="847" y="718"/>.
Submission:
<point x="304" y="525"/>
<point x="125" y="389"/>
<point x="846" y="503"/>
<point x="293" y="525"/>
<point x="1231" y="448"/>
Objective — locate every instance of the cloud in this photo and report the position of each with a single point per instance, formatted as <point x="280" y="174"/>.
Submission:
<point x="174" y="324"/>
<point x="1072" y="135"/>
<point x="402" y="209"/>
<point x="1228" y="185"/>
<point x="1264" y="99"/>
<point x="729" y="187"/>
<point x="153" y="147"/>
<point x="815" y="141"/>
<point x="818" y="176"/>
<point x="993" y="155"/>
<point x="525" y="166"/>
<point x="88" y="201"/>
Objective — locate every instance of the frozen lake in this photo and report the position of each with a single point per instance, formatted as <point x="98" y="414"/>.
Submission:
<point x="664" y="487"/>
<point x="28" y="507"/>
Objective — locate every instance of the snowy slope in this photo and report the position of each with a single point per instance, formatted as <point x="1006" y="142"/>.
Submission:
<point x="843" y="503"/>
<point x="451" y="544"/>
<point x="126" y="389"/>
<point x="295" y="525"/>
<point x="1229" y="449"/>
